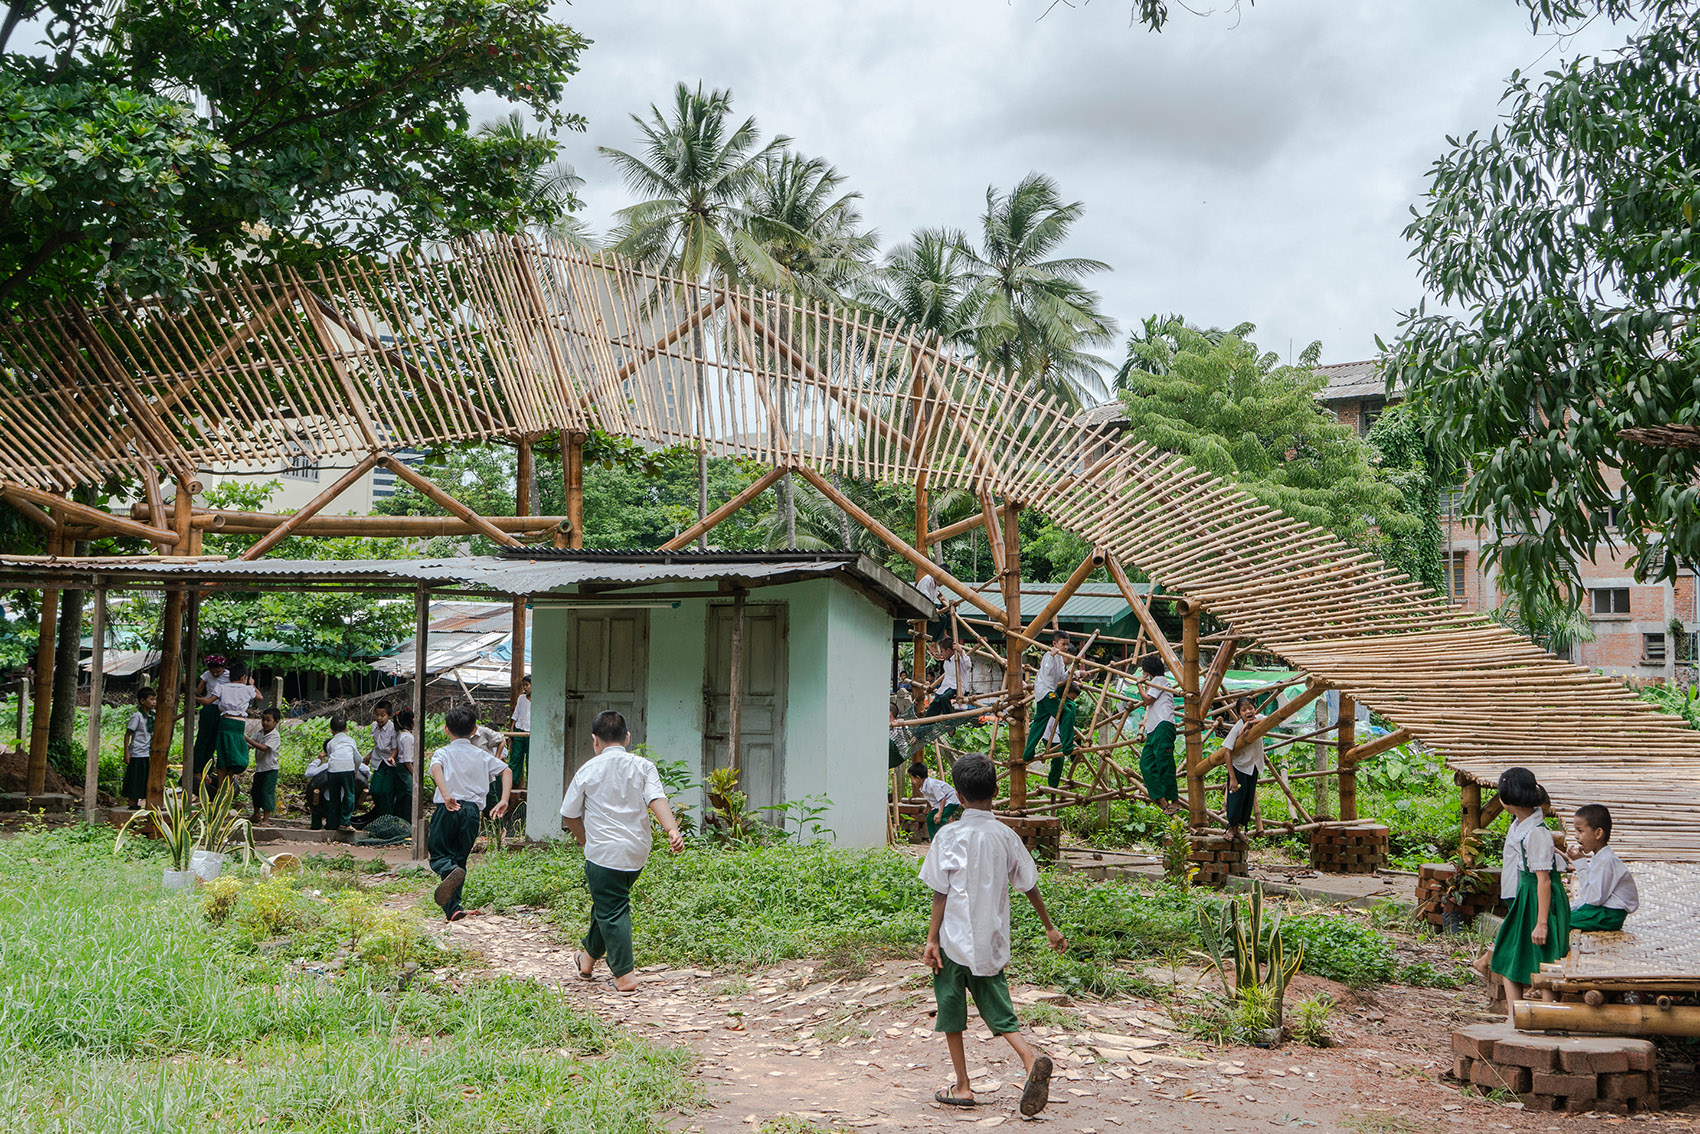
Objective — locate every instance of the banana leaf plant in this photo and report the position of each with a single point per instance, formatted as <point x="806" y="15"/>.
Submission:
<point x="1263" y="961"/>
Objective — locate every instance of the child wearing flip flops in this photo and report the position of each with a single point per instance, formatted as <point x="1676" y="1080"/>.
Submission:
<point x="972" y="866"/>
<point x="462" y="772"/>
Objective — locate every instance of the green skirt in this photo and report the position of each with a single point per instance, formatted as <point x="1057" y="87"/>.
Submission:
<point x="233" y="743"/>
<point x="1515" y="957"/>
<point x="1597" y="919"/>
<point x="1157" y="764"/>
<point x="951" y="811"/>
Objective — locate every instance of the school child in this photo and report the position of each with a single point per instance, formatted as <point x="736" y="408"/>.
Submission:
<point x="1157" y="757"/>
<point x="1536" y="928"/>
<point x="519" y="747"/>
<point x="971" y="867"/>
<point x="1245" y="764"/>
<point x="1053" y="710"/>
<point x="318" y="791"/>
<point x="401" y="778"/>
<point x="233" y="698"/>
<point x="496" y="744"/>
<point x="382" y="759"/>
<point x="342" y="756"/>
<point x="207" y="726"/>
<point x="953" y="666"/>
<point x="943" y="804"/>
<point x="263" y="791"/>
<point x="462" y="772"/>
<point x="1605" y="890"/>
<point x="138" y="742"/>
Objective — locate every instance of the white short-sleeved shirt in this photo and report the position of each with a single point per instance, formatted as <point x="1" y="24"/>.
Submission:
<point x="975" y="862"/>
<point x="1052" y="670"/>
<point x="404" y="747"/>
<point x="467" y="771"/>
<point x="318" y="765"/>
<point x="211" y="681"/>
<point x="265" y="757"/>
<point x="342" y="753"/>
<point x="1248" y="757"/>
<point x="487" y="738"/>
<point x="612" y="793"/>
<point x="234" y="697"/>
<point x="522" y="714"/>
<point x="954" y="675"/>
<point x="1163" y="708"/>
<point x="1603" y="880"/>
<point x="141" y="735"/>
<point x="938" y="794"/>
<point x="928" y="585"/>
<point x="383" y="741"/>
<point x="1535" y="841"/>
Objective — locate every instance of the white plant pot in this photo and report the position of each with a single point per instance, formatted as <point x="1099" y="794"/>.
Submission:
<point x="176" y="879"/>
<point x="206" y="865"/>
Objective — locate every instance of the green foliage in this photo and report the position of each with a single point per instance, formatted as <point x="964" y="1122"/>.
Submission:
<point x="330" y="125"/>
<point x="1343" y="948"/>
<point x="1309" y="1020"/>
<point x="1684" y="703"/>
<point x="1561" y="248"/>
<point x="1263" y="959"/>
<point x="1177" y="850"/>
<point x="1413" y="466"/>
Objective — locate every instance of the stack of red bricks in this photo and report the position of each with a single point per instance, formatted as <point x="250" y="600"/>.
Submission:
<point x="1041" y="834"/>
<point x="1348" y="848"/>
<point x="1215" y="858"/>
<point x="1577" y="1074"/>
<point x="1432" y="876"/>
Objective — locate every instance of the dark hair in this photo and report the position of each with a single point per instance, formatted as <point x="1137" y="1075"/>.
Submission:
<point x="271" y="711"/>
<point x="918" y="770"/>
<point x="1517" y="788"/>
<point x="237" y="671"/>
<point x="1242" y="702"/>
<point x="976" y="778"/>
<point x="1059" y="635"/>
<point x="384" y="705"/>
<point x="404" y="720"/>
<point x="1152" y="665"/>
<point x="339" y="723"/>
<point x="947" y="642"/>
<point x="144" y="691"/>
<point x="460" y="721"/>
<point x="1597" y="816"/>
<point x="524" y="679"/>
<point x="610" y="727"/>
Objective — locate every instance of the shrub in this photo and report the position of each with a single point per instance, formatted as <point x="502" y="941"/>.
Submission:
<point x="1344" y="949"/>
<point x="219" y="896"/>
<point x="1310" y="1019"/>
<point x="268" y="908"/>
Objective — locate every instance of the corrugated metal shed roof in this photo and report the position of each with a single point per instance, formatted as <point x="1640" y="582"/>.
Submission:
<point x="1094" y="604"/>
<point x="1353" y="380"/>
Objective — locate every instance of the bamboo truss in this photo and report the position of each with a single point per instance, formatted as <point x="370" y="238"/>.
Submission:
<point x="507" y="338"/>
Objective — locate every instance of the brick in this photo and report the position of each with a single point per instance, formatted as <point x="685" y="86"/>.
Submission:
<point x="1535" y="1053"/>
<point x="1461" y="1068"/>
<point x="1610" y="1106"/>
<point x="1565" y="1086"/>
<point x="1477" y="1041"/>
<point x="1578" y="1106"/>
<point x="1597" y="1055"/>
<point x="1630" y="1085"/>
<point x="1494" y="1076"/>
<point x="1540" y="1102"/>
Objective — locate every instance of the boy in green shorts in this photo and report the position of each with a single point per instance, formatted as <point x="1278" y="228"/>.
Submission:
<point x="1605" y="890"/>
<point x="971" y="867"/>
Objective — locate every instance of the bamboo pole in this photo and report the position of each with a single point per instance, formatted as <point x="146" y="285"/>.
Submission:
<point x="35" y="776"/>
<point x="484" y="527"/>
<point x="1015" y="689"/>
<point x="310" y="509"/>
<point x="94" y="517"/>
<point x="97" y="690"/>
<point x="421" y="758"/>
<point x="191" y="712"/>
<point x="573" y="455"/>
<point x="1171" y="660"/>
<point x="735" y="688"/>
<point x="1094" y="560"/>
<point x="1347" y="736"/>
<point x="522" y="505"/>
<point x="1193" y="715"/>
<point x="1607" y="1019"/>
<point x="716" y="517"/>
<point x="405" y="527"/>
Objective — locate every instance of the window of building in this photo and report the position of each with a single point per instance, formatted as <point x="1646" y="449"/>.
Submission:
<point x="301" y="467"/>
<point x="1611" y="600"/>
<point x="1457" y="575"/>
<point x="1653" y="647"/>
<point x="1368" y="412"/>
<point x="1452" y="502"/>
<point x="1610" y="517"/>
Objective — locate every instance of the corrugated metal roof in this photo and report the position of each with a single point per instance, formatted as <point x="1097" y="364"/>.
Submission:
<point x="1353" y="380"/>
<point x="1095" y="604"/>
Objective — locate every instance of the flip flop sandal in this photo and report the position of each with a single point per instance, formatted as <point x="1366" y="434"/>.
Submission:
<point x="944" y="1096"/>
<point x="582" y="974"/>
<point x="451" y="883"/>
<point x="458" y="915"/>
<point x="1037" y="1092"/>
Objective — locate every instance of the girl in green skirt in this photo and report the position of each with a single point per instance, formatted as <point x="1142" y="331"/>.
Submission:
<point x="1536" y="928"/>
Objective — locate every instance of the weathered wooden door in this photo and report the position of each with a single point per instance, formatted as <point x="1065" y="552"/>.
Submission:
<point x="607" y="668"/>
<point x="762" y="727"/>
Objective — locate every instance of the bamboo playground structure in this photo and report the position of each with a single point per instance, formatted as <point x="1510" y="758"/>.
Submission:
<point x="511" y="340"/>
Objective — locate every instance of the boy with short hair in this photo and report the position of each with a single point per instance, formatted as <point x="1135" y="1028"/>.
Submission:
<point x="266" y="745"/>
<point x="1605" y="890"/>
<point x="971" y="867"/>
<point x="943" y="804"/>
<point x="382" y="784"/>
<point x="138" y="741"/>
<point x="462" y="771"/>
<point x="342" y="756"/>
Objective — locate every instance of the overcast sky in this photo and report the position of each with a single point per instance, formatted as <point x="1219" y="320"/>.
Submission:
<point x="1257" y="168"/>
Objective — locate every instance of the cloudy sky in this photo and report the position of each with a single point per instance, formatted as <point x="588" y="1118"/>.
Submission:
<point x="1256" y="166"/>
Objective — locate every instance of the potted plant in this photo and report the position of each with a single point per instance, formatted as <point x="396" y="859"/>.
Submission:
<point x="1458" y="888"/>
<point x="1263" y="962"/>
<point x="195" y="838"/>
<point x="174" y="822"/>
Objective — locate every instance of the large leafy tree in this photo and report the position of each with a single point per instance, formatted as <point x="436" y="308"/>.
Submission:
<point x="143" y="142"/>
<point x="1563" y="249"/>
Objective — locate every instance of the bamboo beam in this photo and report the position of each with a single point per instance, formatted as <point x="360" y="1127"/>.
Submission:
<point x="714" y="518"/>
<point x="191" y="714"/>
<point x="1346" y="736"/>
<point x="406" y="527"/>
<point x="961" y="527"/>
<point x="1015" y="686"/>
<point x="35" y="774"/>
<point x="522" y="505"/>
<point x="429" y="490"/>
<point x="94" y="517"/>
<point x="1194" y="715"/>
<point x="1607" y="1019"/>
<point x="312" y="508"/>
<point x="1380" y="744"/>
<point x="1273" y="720"/>
<point x="1171" y="660"/>
<point x="1218" y="673"/>
<point x="1093" y="561"/>
<point x="572" y="453"/>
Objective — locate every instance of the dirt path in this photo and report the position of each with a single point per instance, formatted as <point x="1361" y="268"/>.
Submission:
<point x="859" y="1052"/>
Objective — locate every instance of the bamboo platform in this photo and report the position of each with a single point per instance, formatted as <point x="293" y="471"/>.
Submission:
<point x="1658" y="950"/>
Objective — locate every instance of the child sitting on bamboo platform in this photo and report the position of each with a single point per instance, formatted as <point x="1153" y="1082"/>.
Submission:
<point x="1053" y="710"/>
<point x="953" y="675"/>
<point x="519" y="746"/>
<point x="138" y="747"/>
<point x="1157" y="757"/>
<point x="462" y="772"/>
<point x="342" y="757"/>
<point x="971" y="868"/>
<point x="1536" y="928"/>
<point x="1605" y="890"/>
<point x="233" y="698"/>
<point x="943" y="805"/>
<point x="266" y="746"/>
<point x="1245" y="763"/>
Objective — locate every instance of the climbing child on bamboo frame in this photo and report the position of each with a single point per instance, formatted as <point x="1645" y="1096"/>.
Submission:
<point x="1054" y="709"/>
<point x="1157" y="757"/>
<point x="1245" y="762"/>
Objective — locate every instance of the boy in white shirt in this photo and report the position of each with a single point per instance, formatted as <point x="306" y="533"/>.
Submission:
<point x="971" y="868"/>
<point x="1605" y="890"/>
<point x="138" y="742"/>
<point x="266" y="746"/>
<point x="1053" y="710"/>
<point x="519" y="745"/>
<point x="1157" y="757"/>
<point x="401" y="781"/>
<point x="342" y="756"/>
<point x="943" y="804"/>
<point x="462" y="771"/>
<point x="382" y="784"/>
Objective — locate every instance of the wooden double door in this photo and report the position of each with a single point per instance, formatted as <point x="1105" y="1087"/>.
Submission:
<point x="607" y="668"/>
<point x="761" y="725"/>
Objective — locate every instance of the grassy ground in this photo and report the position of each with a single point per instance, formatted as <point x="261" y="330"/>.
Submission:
<point x="277" y="1006"/>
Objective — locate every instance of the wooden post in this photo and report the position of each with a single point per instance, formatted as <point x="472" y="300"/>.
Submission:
<point x="171" y="655"/>
<point x="1194" y="714"/>
<point x="97" y="689"/>
<point x="573" y="457"/>
<point x="1470" y="818"/>
<point x="35" y="777"/>
<point x="277" y="694"/>
<point x="1319" y="761"/>
<point x="23" y="709"/>
<point x="522" y="507"/>
<point x="191" y="711"/>
<point x="421" y="759"/>
<point x="735" y="688"/>
<point x="923" y="518"/>
<point x="1345" y="737"/>
<point x="1014" y="678"/>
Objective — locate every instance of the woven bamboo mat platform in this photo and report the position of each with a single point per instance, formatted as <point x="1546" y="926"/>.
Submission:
<point x="1659" y="947"/>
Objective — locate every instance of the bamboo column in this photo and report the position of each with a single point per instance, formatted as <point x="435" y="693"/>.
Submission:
<point x="522" y="507"/>
<point x="1345" y="737"/>
<point x="191" y="711"/>
<point x="1470" y="811"/>
<point x="1014" y="679"/>
<point x="35" y="780"/>
<point x="572" y="455"/>
<point x="97" y="689"/>
<point x="421" y="760"/>
<point x="171" y="655"/>
<point x="922" y="522"/>
<point x="1193" y="716"/>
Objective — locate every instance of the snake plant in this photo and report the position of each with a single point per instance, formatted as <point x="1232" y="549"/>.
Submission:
<point x="1262" y="959"/>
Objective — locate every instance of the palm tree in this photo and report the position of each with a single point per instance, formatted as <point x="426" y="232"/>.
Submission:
<point x="1035" y="318"/>
<point x="1152" y="346"/>
<point x="810" y="231"/>
<point x="929" y="285"/>
<point x="694" y="172"/>
<point x="553" y="195"/>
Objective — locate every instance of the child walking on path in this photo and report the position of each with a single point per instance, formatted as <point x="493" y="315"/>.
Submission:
<point x="1536" y="928"/>
<point x="138" y="740"/>
<point x="1605" y="890"/>
<point x="943" y="804"/>
<point x="263" y="791"/>
<point x="971" y="868"/>
<point x="607" y="808"/>
<point x="1157" y="757"/>
<point x="462" y="772"/>
<point x="1245" y="763"/>
<point x="342" y="756"/>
